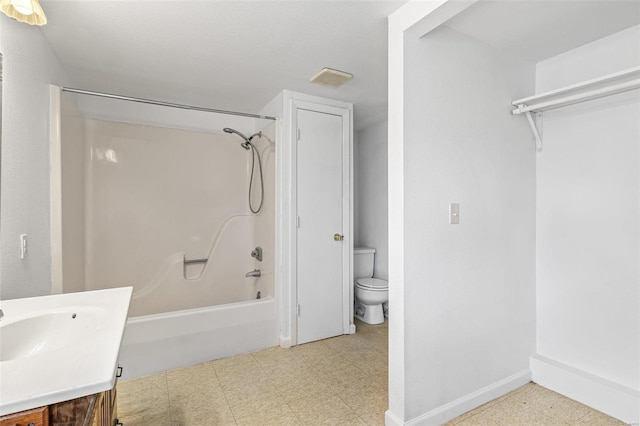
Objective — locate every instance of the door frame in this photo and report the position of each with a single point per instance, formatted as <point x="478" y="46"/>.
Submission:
<point x="286" y="239"/>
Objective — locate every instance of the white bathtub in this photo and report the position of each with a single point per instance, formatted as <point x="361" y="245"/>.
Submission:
<point x="159" y="342"/>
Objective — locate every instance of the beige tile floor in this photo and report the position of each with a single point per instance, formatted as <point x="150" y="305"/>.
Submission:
<point x="534" y="405"/>
<point x="338" y="381"/>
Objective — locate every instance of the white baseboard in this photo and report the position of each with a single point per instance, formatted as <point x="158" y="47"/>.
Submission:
<point x="285" y="342"/>
<point x="390" y="419"/>
<point x="468" y="402"/>
<point x="601" y="394"/>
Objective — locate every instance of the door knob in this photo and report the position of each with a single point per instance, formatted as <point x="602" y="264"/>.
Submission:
<point x="338" y="237"/>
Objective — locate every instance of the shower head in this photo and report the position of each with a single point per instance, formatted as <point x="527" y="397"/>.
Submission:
<point x="247" y="140"/>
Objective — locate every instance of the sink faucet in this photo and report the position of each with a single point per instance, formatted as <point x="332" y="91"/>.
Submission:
<point x="254" y="273"/>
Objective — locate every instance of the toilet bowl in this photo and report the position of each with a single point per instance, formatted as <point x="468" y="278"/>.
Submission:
<point x="370" y="294"/>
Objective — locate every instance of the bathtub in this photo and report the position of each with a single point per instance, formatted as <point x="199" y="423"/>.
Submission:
<point x="160" y="342"/>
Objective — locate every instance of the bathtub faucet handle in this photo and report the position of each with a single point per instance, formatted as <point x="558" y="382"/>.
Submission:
<point x="257" y="253"/>
<point x="255" y="273"/>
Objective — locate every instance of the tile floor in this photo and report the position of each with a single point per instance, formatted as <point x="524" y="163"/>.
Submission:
<point x="338" y="381"/>
<point x="534" y="405"/>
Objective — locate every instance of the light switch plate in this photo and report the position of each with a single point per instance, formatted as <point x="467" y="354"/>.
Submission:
<point x="454" y="213"/>
<point x="23" y="246"/>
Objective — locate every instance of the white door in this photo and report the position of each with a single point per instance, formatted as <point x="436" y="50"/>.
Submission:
<point x="320" y="265"/>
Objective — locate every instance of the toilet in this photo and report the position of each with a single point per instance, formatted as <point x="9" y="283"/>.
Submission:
<point x="370" y="293"/>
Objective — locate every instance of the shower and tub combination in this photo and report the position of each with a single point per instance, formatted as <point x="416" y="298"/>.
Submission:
<point x="175" y="210"/>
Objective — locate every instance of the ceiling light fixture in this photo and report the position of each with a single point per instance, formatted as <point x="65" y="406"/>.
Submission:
<point x="27" y="11"/>
<point x="331" y="77"/>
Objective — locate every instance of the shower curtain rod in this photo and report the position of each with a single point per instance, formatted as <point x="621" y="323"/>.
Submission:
<point x="166" y="104"/>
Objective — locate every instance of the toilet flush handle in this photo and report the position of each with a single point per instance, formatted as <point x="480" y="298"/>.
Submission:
<point x="338" y="237"/>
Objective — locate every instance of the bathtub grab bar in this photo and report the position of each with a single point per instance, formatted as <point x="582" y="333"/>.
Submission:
<point x="191" y="262"/>
<point x="186" y="262"/>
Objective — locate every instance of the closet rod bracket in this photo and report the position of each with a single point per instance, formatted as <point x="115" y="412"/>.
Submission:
<point x="534" y="128"/>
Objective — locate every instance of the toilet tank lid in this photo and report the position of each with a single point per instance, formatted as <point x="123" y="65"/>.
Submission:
<point x="363" y="250"/>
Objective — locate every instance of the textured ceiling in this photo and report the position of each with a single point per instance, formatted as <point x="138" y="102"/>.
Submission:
<point x="234" y="55"/>
<point x="238" y="55"/>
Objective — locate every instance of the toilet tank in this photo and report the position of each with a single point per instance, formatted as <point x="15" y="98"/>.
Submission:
<point x="363" y="262"/>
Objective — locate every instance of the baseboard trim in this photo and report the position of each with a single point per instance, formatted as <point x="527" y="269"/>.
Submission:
<point x="468" y="402"/>
<point x="285" y="342"/>
<point x="390" y="419"/>
<point x="599" y="393"/>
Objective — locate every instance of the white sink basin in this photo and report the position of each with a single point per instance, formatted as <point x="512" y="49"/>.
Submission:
<point x="60" y="347"/>
<point x="43" y="332"/>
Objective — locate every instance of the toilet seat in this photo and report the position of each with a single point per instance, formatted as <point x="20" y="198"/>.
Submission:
<point x="372" y="284"/>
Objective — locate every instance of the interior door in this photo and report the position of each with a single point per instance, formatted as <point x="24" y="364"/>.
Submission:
<point x="320" y="257"/>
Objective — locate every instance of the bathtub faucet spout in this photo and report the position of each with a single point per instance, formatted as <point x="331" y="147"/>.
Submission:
<point x="255" y="273"/>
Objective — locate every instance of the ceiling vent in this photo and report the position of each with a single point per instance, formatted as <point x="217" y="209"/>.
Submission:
<point x="331" y="77"/>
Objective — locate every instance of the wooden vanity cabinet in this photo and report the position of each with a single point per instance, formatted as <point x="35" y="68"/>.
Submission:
<point x="106" y="409"/>
<point x="99" y="409"/>
<point x="35" y="417"/>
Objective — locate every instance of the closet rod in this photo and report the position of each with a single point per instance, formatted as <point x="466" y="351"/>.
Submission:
<point x="579" y="97"/>
<point x="165" y="104"/>
<point x="583" y="85"/>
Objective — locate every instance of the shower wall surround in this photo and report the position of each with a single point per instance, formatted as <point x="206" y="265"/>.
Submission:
<point x="154" y="196"/>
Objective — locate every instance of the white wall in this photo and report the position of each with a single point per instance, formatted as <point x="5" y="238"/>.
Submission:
<point x="284" y="211"/>
<point x="588" y="217"/>
<point x="371" y="220"/>
<point x="469" y="289"/>
<point x="403" y="19"/>
<point x="29" y="66"/>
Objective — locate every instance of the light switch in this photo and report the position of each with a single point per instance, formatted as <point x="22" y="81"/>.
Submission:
<point x="454" y="213"/>
<point x="23" y="246"/>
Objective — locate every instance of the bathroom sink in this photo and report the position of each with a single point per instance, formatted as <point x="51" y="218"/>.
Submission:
<point x="60" y="347"/>
<point x="44" y="332"/>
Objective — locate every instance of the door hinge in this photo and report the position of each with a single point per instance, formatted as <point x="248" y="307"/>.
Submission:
<point x="298" y="310"/>
<point x="298" y="134"/>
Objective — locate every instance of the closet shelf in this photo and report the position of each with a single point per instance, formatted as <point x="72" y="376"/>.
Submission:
<point x="610" y="84"/>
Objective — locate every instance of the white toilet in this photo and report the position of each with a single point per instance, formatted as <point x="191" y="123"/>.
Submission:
<point x="370" y="293"/>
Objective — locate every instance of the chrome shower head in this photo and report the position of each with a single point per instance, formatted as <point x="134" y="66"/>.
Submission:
<point x="247" y="140"/>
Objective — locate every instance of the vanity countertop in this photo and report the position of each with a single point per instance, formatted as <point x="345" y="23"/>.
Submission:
<point x="60" y="347"/>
